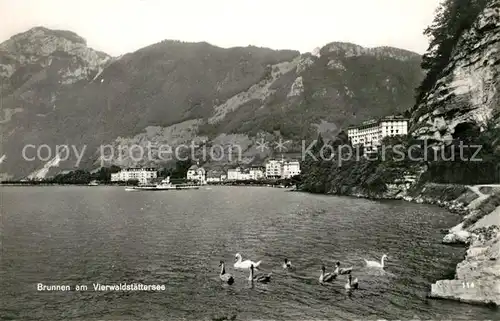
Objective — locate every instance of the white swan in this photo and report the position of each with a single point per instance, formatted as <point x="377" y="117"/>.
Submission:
<point x="244" y="264"/>
<point x="326" y="277"/>
<point x="342" y="271"/>
<point x="351" y="284"/>
<point x="375" y="263"/>
<point x="225" y="277"/>
<point x="287" y="265"/>
<point x="262" y="278"/>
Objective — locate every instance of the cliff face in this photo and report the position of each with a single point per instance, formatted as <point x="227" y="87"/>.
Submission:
<point x="468" y="89"/>
<point x="43" y="50"/>
<point x="467" y="95"/>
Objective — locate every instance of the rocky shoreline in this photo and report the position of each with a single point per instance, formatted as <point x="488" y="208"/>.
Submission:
<point x="477" y="277"/>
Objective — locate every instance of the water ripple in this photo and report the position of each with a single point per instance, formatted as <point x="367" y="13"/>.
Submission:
<point x="87" y="235"/>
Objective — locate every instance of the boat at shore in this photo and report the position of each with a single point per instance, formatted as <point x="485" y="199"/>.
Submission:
<point x="165" y="185"/>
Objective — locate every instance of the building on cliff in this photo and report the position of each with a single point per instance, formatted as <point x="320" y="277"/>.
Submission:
<point x="371" y="133"/>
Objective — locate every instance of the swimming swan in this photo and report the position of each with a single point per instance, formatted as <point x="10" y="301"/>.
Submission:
<point x="375" y="263"/>
<point x="326" y="277"/>
<point x="262" y="278"/>
<point x="287" y="265"/>
<point x="225" y="277"/>
<point x="342" y="271"/>
<point x="244" y="264"/>
<point x="351" y="284"/>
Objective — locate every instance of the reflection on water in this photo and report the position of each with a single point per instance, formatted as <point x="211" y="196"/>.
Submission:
<point x="85" y="235"/>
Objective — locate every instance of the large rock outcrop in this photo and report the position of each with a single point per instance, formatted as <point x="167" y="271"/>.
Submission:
<point x="40" y="47"/>
<point x="477" y="277"/>
<point x="468" y="89"/>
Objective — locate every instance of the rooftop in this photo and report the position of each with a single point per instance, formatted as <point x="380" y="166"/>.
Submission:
<point x="373" y="122"/>
<point x="214" y="173"/>
<point x="136" y="169"/>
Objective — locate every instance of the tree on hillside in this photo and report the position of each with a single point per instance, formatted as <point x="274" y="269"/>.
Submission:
<point x="181" y="168"/>
<point x="104" y="173"/>
<point x="453" y="17"/>
<point x="165" y="172"/>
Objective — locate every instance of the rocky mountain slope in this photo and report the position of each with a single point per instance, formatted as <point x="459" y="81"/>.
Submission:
<point x="56" y="90"/>
<point x="467" y="92"/>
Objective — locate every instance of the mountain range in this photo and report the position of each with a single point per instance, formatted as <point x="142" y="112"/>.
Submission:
<point x="55" y="90"/>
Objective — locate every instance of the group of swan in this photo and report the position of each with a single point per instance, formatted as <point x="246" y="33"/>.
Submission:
<point x="244" y="265"/>
<point x="326" y="277"/>
<point x="329" y="277"/>
<point x="351" y="284"/>
<point x="287" y="265"/>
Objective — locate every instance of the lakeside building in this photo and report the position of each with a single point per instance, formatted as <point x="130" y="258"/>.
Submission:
<point x="273" y="168"/>
<point x="245" y="174"/>
<point x="371" y="133"/>
<point x="196" y="174"/>
<point x="282" y="168"/>
<point x="256" y="173"/>
<point x="238" y="174"/>
<point x="233" y="174"/>
<point x="143" y="175"/>
<point x="290" y="169"/>
<point x="215" y="176"/>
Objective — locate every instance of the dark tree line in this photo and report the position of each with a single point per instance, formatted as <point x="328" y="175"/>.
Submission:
<point x="80" y="176"/>
<point x="178" y="172"/>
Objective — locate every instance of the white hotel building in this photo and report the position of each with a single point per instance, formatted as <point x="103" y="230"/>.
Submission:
<point x="143" y="175"/>
<point x="282" y="169"/>
<point x="290" y="169"/>
<point x="273" y="168"/>
<point x="245" y="174"/>
<point x="371" y="133"/>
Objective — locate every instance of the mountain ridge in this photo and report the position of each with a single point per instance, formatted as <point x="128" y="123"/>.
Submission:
<point x="63" y="92"/>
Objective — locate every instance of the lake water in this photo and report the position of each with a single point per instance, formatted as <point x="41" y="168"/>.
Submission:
<point x="85" y="235"/>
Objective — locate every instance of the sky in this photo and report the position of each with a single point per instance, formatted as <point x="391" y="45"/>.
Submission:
<point x="121" y="26"/>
